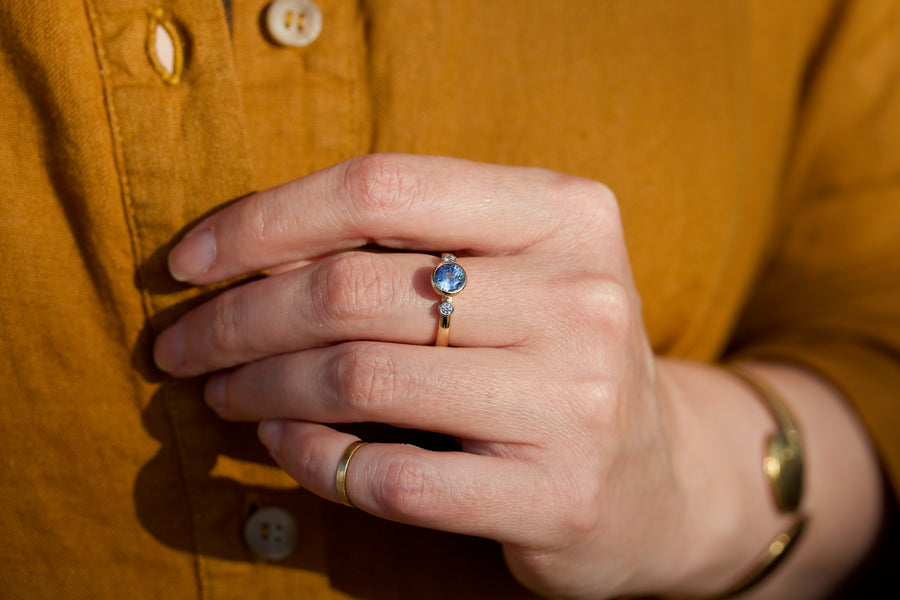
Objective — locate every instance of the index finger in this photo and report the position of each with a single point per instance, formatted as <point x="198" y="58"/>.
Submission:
<point x="396" y="201"/>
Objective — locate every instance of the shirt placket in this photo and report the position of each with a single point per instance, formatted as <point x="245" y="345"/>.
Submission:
<point x="178" y="127"/>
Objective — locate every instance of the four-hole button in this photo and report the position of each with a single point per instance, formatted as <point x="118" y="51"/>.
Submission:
<point x="294" y="23"/>
<point x="271" y="533"/>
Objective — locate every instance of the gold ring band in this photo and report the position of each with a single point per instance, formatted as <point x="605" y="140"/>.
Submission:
<point x="340" y="477"/>
<point x="448" y="279"/>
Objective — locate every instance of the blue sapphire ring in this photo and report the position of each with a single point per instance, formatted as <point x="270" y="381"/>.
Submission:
<point x="448" y="279"/>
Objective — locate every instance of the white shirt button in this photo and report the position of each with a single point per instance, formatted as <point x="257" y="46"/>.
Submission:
<point x="294" y="23"/>
<point x="271" y="533"/>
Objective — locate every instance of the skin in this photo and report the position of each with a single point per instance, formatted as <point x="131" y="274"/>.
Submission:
<point x="602" y="469"/>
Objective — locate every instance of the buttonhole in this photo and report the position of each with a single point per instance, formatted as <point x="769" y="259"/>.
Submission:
<point x="165" y="46"/>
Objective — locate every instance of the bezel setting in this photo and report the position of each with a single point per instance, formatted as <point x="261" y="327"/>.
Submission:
<point x="448" y="278"/>
<point x="446" y="308"/>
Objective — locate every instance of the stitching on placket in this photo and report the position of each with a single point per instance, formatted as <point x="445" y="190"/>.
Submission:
<point x="138" y="245"/>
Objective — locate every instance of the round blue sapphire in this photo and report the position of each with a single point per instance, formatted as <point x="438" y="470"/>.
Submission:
<point x="448" y="278"/>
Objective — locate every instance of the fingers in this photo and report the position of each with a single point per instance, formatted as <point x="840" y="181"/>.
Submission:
<point x="365" y="296"/>
<point x="476" y="394"/>
<point x="451" y="491"/>
<point x="397" y="201"/>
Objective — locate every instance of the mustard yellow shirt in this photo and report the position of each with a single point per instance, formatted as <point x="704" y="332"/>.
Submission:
<point x="754" y="146"/>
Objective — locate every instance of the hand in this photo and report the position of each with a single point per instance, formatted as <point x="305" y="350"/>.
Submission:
<point x="550" y="386"/>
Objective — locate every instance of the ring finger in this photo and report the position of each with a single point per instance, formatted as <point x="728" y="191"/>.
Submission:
<point x="350" y="296"/>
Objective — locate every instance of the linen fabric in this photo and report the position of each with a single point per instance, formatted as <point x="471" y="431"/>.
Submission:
<point x="754" y="147"/>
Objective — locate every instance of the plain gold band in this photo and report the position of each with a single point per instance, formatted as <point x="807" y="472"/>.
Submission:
<point x="340" y="478"/>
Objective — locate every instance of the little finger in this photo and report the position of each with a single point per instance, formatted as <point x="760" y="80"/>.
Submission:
<point x="471" y="494"/>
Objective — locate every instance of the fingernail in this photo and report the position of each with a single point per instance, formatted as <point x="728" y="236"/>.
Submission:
<point x="194" y="255"/>
<point x="270" y="433"/>
<point x="168" y="351"/>
<point x="214" y="394"/>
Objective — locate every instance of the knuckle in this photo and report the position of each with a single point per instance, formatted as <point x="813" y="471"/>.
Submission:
<point x="616" y="309"/>
<point x="351" y="287"/>
<point x="593" y="202"/>
<point x="600" y="194"/>
<point x="604" y="306"/>
<point x="409" y="487"/>
<point x="593" y="195"/>
<point x="366" y="379"/>
<point x="581" y="502"/>
<point x="575" y="504"/>
<point x="307" y="458"/>
<point x="380" y="185"/>
<point x="255" y="222"/>
<point x="601" y="406"/>
<point x="568" y="508"/>
<point x="226" y="322"/>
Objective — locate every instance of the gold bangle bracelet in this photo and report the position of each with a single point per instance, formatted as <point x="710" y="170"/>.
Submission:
<point x="783" y="466"/>
<point x="768" y="560"/>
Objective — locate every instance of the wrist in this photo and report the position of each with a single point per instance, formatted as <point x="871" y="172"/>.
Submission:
<point x="717" y="430"/>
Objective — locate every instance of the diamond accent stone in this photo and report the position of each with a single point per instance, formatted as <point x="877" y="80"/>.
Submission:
<point x="448" y="258"/>
<point x="448" y="278"/>
<point x="445" y="308"/>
